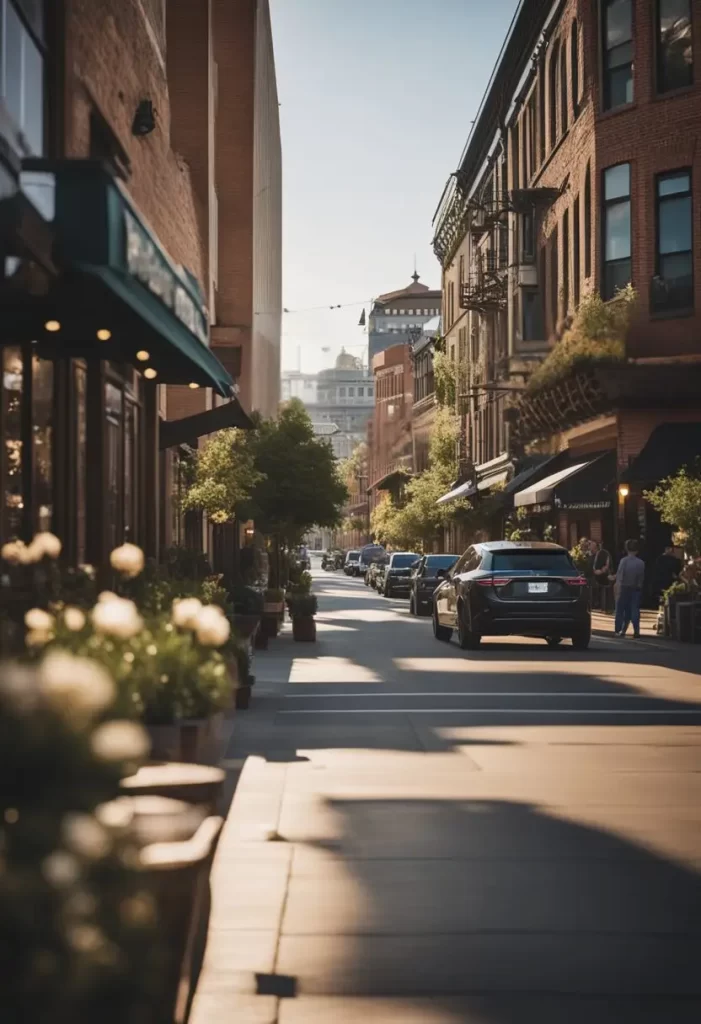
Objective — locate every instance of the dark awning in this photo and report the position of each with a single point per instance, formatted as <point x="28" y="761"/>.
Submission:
<point x="177" y="432"/>
<point x="117" y="279"/>
<point x="585" y="483"/>
<point x="669" y="447"/>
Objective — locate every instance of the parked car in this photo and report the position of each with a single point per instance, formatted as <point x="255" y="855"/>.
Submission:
<point x="425" y="579"/>
<point x="370" y="554"/>
<point x="351" y="566"/>
<point x="397" y="577"/>
<point x="506" y="588"/>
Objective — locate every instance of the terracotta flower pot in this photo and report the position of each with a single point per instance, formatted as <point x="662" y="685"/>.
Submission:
<point x="304" y="628"/>
<point x="191" y="741"/>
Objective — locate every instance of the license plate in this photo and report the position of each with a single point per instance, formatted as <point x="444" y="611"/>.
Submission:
<point x="537" y="588"/>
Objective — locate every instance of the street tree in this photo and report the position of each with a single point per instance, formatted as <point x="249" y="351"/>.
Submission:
<point x="225" y="475"/>
<point x="678" y="500"/>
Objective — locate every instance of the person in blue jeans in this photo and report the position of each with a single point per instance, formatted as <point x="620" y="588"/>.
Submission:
<point x="630" y="578"/>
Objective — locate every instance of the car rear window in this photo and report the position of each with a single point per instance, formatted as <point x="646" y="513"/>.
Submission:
<point x="372" y="554"/>
<point x="353" y="556"/>
<point x="404" y="561"/>
<point x="526" y="561"/>
<point x="441" y="562"/>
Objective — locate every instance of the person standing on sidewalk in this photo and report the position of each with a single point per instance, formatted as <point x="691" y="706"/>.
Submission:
<point x="602" y="569"/>
<point x="629" y="586"/>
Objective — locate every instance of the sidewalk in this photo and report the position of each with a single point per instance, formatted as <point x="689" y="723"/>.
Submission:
<point x="603" y="622"/>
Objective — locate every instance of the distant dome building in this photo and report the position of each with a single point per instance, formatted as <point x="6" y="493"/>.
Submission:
<point x="345" y="361"/>
<point x="400" y="316"/>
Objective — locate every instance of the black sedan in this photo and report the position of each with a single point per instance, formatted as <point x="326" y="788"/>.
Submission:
<point x="506" y="588"/>
<point x="425" y="579"/>
<point x="397" y="577"/>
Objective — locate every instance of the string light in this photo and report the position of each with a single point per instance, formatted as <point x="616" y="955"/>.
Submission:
<point x="52" y="326"/>
<point x="104" y="335"/>
<point x="143" y="356"/>
<point x="150" y="373"/>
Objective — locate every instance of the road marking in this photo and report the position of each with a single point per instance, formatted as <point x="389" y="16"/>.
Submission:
<point x="474" y="693"/>
<point x="490" y="711"/>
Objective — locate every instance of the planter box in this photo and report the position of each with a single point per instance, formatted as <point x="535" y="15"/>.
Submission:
<point x="192" y="741"/>
<point x="270" y="624"/>
<point x="246" y="625"/>
<point x="304" y="629"/>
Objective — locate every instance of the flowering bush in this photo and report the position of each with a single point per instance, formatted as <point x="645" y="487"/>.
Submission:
<point x="77" y="924"/>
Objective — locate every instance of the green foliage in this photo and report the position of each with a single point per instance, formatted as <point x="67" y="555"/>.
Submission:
<point x="225" y="475"/>
<point x="445" y="379"/>
<point x="597" y="337"/>
<point x="301" y="585"/>
<point x="678" y="500"/>
<point x="353" y="523"/>
<point x="351" y="469"/>
<point x="302" y="606"/>
<point x="581" y="559"/>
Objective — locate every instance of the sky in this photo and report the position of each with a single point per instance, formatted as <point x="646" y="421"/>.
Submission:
<point x="377" y="98"/>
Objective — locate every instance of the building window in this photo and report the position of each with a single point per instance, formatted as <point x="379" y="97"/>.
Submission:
<point x="554" y="282"/>
<point x="361" y="392"/>
<point x="554" y="78"/>
<point x="528" y="236"/>
<point x="673" y="288"/>
<point x="532" y="315"/>
<point x="587" y="223"/>
<point x="342" y="392"/>
<point x="564" y="91"/>
<point x="574" y="66"/>
<point x="618" y="53"/>
<point x="565" y="263"/>
<point x="462" y="271"/>
<point x="387" y="312"/>
<point x="351" y="392"/>
<point x="22" y="70"/>
<point x="514" y="156"/>
<point x="371" y="392"/>
<point x="675" y="65"/>
<point x="541" y="114"/>
<point x="576" y="243"/>
<point x="616" y="225"/>
<point x="12" y="461"/>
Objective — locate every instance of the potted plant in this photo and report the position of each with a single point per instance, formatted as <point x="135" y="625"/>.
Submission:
<point x="273" y="611"/>
<point x="303" y="608"/>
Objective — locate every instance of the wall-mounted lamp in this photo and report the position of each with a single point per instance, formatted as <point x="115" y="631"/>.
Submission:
<point x="623" y="491"/>
<point x="144" y="119"/>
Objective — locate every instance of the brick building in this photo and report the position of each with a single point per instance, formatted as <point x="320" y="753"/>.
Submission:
<point x="131" y="151"/>
<point x="582" y="174"/>
<point x="390" y="444"/>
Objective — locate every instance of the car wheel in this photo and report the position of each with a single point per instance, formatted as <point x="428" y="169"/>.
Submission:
<point x="553" y="641"/>
<point x="468" y="640"/>
<point x="581" y="639"/>
<point x="412" y="605"/>
<point x="387" y="591"/>
<point x="441" y="632"/>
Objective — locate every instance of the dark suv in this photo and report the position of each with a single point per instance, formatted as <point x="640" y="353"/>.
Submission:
<point x="425" y="579"/>
<point x="397" y="579"/>
<point x="506" y="588"/>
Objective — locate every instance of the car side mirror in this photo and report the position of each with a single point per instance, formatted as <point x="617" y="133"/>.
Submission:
<point x="443" y="574"/>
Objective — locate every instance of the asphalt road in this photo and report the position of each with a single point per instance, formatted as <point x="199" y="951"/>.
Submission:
<point x="500" y="837"/>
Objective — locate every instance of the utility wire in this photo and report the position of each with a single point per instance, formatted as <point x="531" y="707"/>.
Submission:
<point x="314" y="309"/>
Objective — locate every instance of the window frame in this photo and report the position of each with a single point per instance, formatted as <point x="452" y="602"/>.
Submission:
<point x="606" y="106"/>
<point x="606" y="205"/>
<point x="657" y="31"/>
<point x="18" y="139"/>
<point x="681" y="310"/>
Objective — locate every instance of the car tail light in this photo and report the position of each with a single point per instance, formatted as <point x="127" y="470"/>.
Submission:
<point x="576" y="581"/>
<point x="496" y="581"/>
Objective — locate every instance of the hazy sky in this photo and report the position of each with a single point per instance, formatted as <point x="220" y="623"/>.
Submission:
<point x="377" y="99"/>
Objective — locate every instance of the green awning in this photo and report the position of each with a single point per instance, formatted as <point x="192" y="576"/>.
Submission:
<point x="118" y="279"/>
<point x="174" y="433"/>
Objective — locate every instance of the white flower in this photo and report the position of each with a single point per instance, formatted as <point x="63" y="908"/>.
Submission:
<point x="73" y="619"/>
<point x="75" y="685"/>
<point x="106" y="595"/>
<point x="212" y="627"/>
<point x="116" y="815"/>
<point x="38" y="637"/>
<point x="88" y="569"/>
<point x="117" y="617"/>
<point x="186" y="611"/>
<point x="85" y="836"/>
<point x="45" y="545"/>
<point x="20" y="685"/>
<point x="37" y="618"/>
<point x="120" y="741"/>
<point x="60" y="869"/>
<point x="15" y="552"/>
<point x="85" y="938"/>
<point x="128" y="560"/>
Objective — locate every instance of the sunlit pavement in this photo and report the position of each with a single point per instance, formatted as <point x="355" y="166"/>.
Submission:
<point x="425" y="835"/>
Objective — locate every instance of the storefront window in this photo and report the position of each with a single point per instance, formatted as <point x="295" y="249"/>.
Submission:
<point x="42" y="440"/>
<point x="22" y="69"/>
<point x="114" y="415"/>
<point x="81" y="461"/>
<point x="12" y="462"/>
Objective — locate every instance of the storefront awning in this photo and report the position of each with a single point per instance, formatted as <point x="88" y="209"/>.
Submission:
<point x="583" y="484"/>
<point x="495" y="480"/>
<point x="463" y="491"/>
<point x="119" y="292"/>
<point x="176" y="432"/>
<point x="669" y="447"/>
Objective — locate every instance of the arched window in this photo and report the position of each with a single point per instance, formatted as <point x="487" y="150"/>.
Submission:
<point x="587" y="223"/>
<point x="554" y="81"/>
<point x="564" y="91"/>
<point x="574" y="66"/>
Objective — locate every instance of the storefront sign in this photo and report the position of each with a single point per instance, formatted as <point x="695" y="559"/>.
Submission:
<point x="585" y="506"/>
<point x="147" y="264"/>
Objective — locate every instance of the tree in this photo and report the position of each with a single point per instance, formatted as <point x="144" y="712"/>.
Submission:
<point x="299" y="486"/>
<point x="353" y="468"/>
<point x="678" y="500"/>
<point x="224" y="476"/>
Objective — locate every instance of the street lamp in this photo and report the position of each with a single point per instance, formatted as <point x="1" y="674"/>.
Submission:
<point x="623" y="491"/>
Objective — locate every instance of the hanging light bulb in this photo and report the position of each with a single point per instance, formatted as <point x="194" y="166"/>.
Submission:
<point x="52" y="326"/>
<point x="143" y="356"/>
<point x="150" y="373"/>
<point x="194" y="385"/>
<point x="103" y="334"/>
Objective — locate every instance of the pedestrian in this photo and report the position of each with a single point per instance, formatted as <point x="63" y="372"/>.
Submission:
<point x="630" y="578"/>
<point x="601" y="568"/>
<point x="665" y="572"/>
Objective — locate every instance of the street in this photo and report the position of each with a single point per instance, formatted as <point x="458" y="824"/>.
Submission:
<point x="420" y="834"/>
